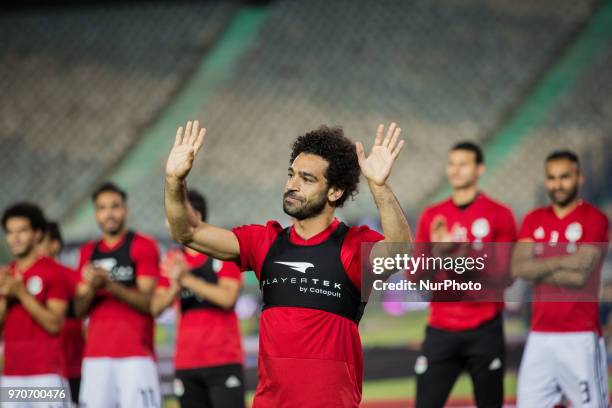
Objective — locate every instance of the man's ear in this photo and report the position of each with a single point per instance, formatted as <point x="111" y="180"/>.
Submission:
<point x="39" y="236"/>
<point x="481" y="169"/>
<point x="334" y="194"/>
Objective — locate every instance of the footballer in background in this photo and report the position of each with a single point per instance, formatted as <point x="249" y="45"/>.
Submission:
<point x="208" y="353"/>
<point x="72" y="336"/>
<point x="464" y="335"/>
<point x="119" y="273"/>
<point x="561" y="249"/>
<point x="33" y="302"/>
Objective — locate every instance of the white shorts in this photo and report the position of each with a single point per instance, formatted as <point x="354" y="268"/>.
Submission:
<point x="569" y="364"/>
<point x="29" y="381"/>
<point x="130" y="382"/>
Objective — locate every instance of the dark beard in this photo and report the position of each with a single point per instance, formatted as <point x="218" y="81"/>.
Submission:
<point x="26" y="252"/>
<point x="570" y="198"/>
<point x="115" y="231"/>
<point x="310" y="210"/>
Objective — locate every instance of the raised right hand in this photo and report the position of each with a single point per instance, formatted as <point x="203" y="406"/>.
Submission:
<point x="185" y="149"/>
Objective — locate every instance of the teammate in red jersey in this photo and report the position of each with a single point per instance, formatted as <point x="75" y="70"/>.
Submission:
<point x="565" y="353"/>
<point x="309" y="348"/>
<point x="208" y="354"/>
<point x="33" y="302"/>
<point x="72" y="339"/>
<point x="464" y="335"/>
<point x="119" y="273"/>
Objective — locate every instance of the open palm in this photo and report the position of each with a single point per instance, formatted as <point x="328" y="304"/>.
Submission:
<point x="377" y="166"/>
<point x="185" y="149"/>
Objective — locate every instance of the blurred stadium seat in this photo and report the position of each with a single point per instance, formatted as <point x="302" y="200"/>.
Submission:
<point x="430" y="67"/>
<point x="79" y="84"/>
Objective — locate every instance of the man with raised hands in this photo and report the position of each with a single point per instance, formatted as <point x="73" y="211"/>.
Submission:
<point x="310" y="352"/>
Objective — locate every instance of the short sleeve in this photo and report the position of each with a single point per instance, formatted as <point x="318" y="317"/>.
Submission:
<point x="248" y="236"/>
<point x="72" y="280"/>
<point x="230" y="270"/>
<point x="351" y="250"/>
<point x="598" y="228"/>
<point x="146" y="257"/>
<point x="526" y="231"/>
<point x="506" y="226"/>
<point x="163" y="282"/>
<point x="422" y="231"/>
<point x="255" y="241"/>
<point x="58" y="285"/>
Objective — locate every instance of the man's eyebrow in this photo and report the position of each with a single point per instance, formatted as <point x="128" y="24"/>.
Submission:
<point x="306" y="174"/>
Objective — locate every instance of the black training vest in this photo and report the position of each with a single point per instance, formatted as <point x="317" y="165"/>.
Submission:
<point x="310" y="276"/>
<point x="118" y="262"/>
<point x="189" y="300"/>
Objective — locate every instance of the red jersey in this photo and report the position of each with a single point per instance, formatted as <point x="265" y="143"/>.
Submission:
<point x="583" y="224"/>
<point x="72" y="339"/>
<point x="116" y="329"/>
<point x="304" y="352"/>
<point x="207" y="336"/>
<point x="484" y="220"/>
<point x="28" y="348"/>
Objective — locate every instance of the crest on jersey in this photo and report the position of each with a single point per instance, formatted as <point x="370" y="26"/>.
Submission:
<point x="420" y="365"/>
<point x="539" y="233"/>
<point x="495" y="364"/>
<point x="573" y="232"/>
<point x="480" y="228"/>
<point x="217" y="265"/>
<point x="178" y="387"/>
<point x="34" y="285"/>
<point x="232" y="382"/>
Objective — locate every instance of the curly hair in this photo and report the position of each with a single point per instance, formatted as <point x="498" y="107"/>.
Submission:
<point x="25" y="210"/>
<point x="339" y="151"/>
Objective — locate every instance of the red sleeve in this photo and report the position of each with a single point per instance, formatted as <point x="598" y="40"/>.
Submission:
<point x="598" y="229"/>
<point x="231" y="271"/>
<point x="422" y="237"/>
<point x="72" y="280"/>
<point x="506" y="226"/>
<point x="163" y="282"/>
<point x="57" y="283"/>
<point x="255" y="241"/>
<point x="526" y="231"/>
<point x="498" y="269"/>
<point x="423" y="226"/>
<point x="145" y="255"/>
<point x="350" y="254"/>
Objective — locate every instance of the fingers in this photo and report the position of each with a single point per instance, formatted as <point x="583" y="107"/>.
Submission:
<point x="397" y="150"/>
<point x="360" y="151"/>
<point x="390" y="133"/>
<point x="187" y="132"/>
<point x="193" y="135"/>
<point x="179" y="137"/>
<point x="199" y="141"/>
<point x="194" y="132"/>
<point x="379" y="135"/>
<point x="394" y="139"/>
